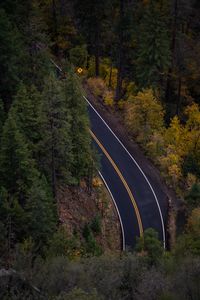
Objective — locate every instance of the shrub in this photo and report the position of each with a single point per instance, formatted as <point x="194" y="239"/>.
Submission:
<point x="97" y="86"/>
<point x="108" y="98"/>
<point x="193" y="198"/>
<point x="78" y="56"/>
<point x="144" y="116"/>
<point x="96" y="225"/>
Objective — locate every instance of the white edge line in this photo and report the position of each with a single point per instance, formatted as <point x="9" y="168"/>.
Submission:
<point x="53" y="62"/>
<point x="115" y="204"/>
<point x="158" y="205"/>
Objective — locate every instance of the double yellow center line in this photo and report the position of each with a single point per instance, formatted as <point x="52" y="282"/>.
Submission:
<point x="123" y="181"/>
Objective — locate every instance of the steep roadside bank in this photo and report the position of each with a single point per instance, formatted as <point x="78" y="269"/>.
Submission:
<point x="80" y="211"/>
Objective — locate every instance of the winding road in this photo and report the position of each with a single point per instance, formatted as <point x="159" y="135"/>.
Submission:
<point x="140" y="202"/>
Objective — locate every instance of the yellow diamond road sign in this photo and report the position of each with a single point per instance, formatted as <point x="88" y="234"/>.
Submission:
<point x="79" y="70"/>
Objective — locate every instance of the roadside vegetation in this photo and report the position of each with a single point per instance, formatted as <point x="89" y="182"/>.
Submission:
<point x="141" y="59"/>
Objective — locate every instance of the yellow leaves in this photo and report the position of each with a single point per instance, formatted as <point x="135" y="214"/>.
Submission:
<point x="190" y="181"/>
<point x="99" y="89"/>
<point x="175" y="173"/>
<point x="171" y="165"/>
<point x="169" y="147"/>
<point x="144" y="115"/>
<point x="96" y="182"/>
<point x="193" y="225"/>
<point x="97" y="86"/>
<point x="109" y="98"/>
<point x="193" y="114"/>
<point x="155" y="145"/>
<point x="176" y="137"/>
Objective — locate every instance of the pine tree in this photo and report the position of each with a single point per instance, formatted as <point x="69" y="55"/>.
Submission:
<point x="153" y="52"/>
<point x="79" y="124"/>
<point x="26" y="111"/>
<point x="150" y="244"/>
<point x="11" y="58"/>
<point x="55" y="145"/>
<point x="193" y="198"/>
<point x="38" y="64"/>
<point x="41" y="213"/>
<point x="13" y="222"/>
<point x="124" y="43"/>
<point x="2" y="117"/>
<point x="92" y="26"/>
<point x="17" y="168"/>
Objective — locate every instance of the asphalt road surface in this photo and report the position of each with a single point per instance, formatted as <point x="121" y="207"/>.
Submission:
<point x="139" y="204"/>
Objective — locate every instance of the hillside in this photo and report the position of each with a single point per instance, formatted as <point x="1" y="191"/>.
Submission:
<point x="139" y="63"/>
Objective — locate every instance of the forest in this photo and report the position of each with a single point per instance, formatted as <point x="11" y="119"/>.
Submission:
<point x="141" y="60"/>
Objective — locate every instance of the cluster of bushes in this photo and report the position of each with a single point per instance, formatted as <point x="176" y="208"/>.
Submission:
<point x="149" y="273"/>
<point x="176" y="148"/>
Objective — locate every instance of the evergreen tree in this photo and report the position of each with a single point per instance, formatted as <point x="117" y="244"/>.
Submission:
<point x="193" y="198"/>
<point x="55" y="146"/>
<point x="11" y="58"/>
<point x="16" y="10"/>
<point x="13" y="222"/>
<point x="79" y="123"/>
<point x="2" y="117"/>
<point x="17" y="168"/>
<point x="150" y="245"/>
<point x="38" y="64"/>
<point x="92" y="27"/>
<point x="41" y="213"/>
<point x="124" y="43"/>
<point x="26" y="111"/>
<point x="153" y="53"/>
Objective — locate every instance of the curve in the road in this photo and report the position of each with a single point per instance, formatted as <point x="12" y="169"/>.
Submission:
<point x="139" y="168"/>
<point x="123" y="181"/>
<point x="115" y="204"/>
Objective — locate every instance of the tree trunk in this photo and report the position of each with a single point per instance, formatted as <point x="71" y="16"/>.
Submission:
<point x="178" y="104"/>
<point x="97" y="52"/>
<point x="110" y="77"/>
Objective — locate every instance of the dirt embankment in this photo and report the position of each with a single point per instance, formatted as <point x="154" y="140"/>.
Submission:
<point x="78" y="207"/>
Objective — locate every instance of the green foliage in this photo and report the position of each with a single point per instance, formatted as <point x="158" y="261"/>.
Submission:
<point x="189" y="242"/>
<point x="193" y="198"/>
<point x="78" y="294"/>
<point x="191" y="164"/>
<point x="11" y="58"/>
<point x="96" y="225"/>
<point x="17" y="168"/>
<point x="62" y="245"/>
<point x="2" y="117"/>
<point x="86" y="231"/>
<point x="41" y="213"/>
<point x="91" y="246"/>
<point x="153" y="53"/>
<point x="55" y="145"/>
<point x="151" y="245"/>
<point x="25" y="110"/>
<point x="78" y="56"/>
<point x="13" y="221"/>
<point x="79" y="123"/>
